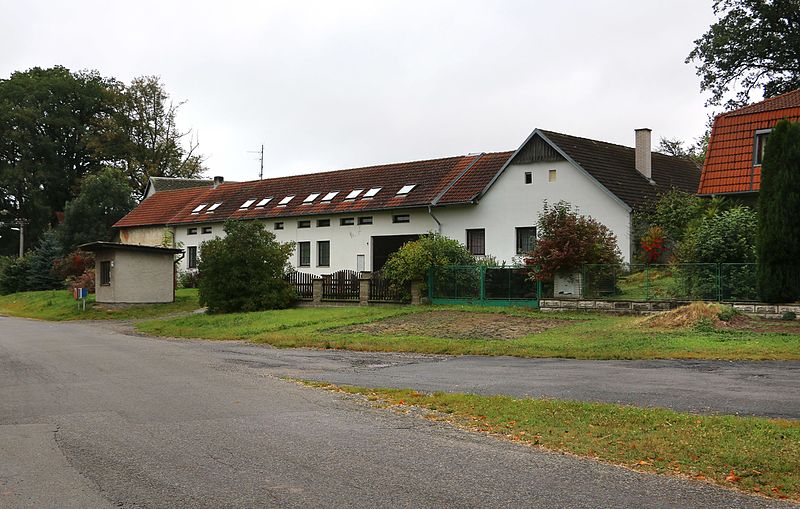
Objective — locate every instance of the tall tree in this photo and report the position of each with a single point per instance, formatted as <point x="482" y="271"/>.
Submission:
<point x="50" y="120"/>
<point x="679" y="148"/>
<point x="778" y="218"/>
<point x="755" y="44"/>
<point x="152" y="144"/>
<point x="104" y="199"/>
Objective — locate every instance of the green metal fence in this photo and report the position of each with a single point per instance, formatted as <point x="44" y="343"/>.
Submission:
<point x="679" y="281"/>
<point x="482" y="286"/>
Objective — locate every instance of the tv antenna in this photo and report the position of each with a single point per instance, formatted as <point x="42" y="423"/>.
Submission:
<point x="261" y="159"/>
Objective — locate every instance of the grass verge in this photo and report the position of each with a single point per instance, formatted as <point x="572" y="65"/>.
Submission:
<point x="581" y="336"/>
<point x="58" y="305"/>
<point x="752" y="454"/>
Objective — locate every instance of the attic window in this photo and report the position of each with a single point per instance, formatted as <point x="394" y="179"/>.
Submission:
<point x="330" y="196"/>
<point x="199" y="208"/>
<point x="286" y="200"/>
<point x="372" y="192"/>
<point x="214" y="207"/>
<point x="353" y="194"/>
<point x="247" y="204"/>
<point x="311" y="197"/>
<point x="406" y="189"/>
<point x="759" y="145"/>
<point x="263" y="202"/>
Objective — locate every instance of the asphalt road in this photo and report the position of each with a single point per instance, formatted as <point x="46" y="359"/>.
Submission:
<point x="93" y="418"/>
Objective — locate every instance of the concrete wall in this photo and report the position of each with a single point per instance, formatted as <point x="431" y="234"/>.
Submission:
<point x="136" y="277"/>
<point x="510" y="203"/>
<point x="145" y="236"/>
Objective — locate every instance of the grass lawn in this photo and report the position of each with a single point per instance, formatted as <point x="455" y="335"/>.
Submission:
<point x="748" y="453"/>
<point x="59" y="305"/>
<point x="574" y="335"/>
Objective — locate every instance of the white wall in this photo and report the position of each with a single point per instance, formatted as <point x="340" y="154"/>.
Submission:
<point x="510" y="203"/>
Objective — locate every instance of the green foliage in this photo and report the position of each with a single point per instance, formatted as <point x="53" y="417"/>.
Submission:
<point x="728" y="237"/>
<point x="244" y="271"/>
<point x="779" y="216"/>
<point x="678" y="148"/>
<point x="727" y="313"/>
<point x="42" y="264"/>
<point x="104" y="199"/>
<point x="14" y="277"/>
<point x="188" y="279"/>
<point x="753" y="45"/>
<point x="567" y="240"/>
<point x="789" y="315"/>
<point x="413" y="260"/>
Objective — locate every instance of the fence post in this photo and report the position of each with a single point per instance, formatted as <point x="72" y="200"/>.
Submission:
<point x="364" y="284"/>
<point x="416" y="293"/>
<point x="647" y="282"/>
<point x="482" y="274"/>
<point x="316" y="291"/>
<point x="719" y="282"/>
<point x="430" y="284"/>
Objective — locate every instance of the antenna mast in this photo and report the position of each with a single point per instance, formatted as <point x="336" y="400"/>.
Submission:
<point x="261" y="159"/>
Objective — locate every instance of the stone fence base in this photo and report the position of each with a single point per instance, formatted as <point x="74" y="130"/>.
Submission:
<point x="644" y="308"/>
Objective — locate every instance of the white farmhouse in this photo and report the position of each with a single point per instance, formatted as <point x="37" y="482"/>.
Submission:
<point x="354" y="219"/>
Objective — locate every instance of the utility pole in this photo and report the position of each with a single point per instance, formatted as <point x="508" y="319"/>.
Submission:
<point x="20" y="227"/>
<point x="261" y="159"/>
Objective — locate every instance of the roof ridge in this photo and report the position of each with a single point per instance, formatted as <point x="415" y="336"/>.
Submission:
<point x="739" y="111"/>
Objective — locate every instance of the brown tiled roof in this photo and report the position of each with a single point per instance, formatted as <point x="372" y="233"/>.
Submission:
<point x="462" y="177"/>
<point x="729" y="166"/>
<point x="170" y="183"/>
<point x="614" y="167"/>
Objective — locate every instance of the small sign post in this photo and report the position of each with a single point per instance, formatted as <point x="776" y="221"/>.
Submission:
<point x="80" y="295"/>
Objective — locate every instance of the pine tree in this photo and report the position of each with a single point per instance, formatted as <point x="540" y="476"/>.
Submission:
<point x="41" y="275"/>
<point x="779" y="216"/>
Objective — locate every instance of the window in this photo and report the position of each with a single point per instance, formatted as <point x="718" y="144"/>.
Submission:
<point x="321" y="223"/>
<point x="105" y="273"/>
<point x="365" y="220"/>
<point x="330" y="196"/>
<point x="191" y="231"/>
<point x="372" y="192"/>
<point x="528" y="177"/>
<point x="759" y="144"/>
<point x="206" y="230"/>
<point x="347" y="221"/>
<point x="279" y="225"/>
<point x="401" y="218"/>
<point x="247" y="203"/>
<point x="304" y="224"/>
<point x="551" y="176"/>
<point x="406" y="189"/>
<point x="311" y="197"/>
<point x="476" y="241"/>
<point x="526" y="239"/>
<point x="199" y="208"/>
<point x="263" y="202"/>
<point x="304" y="254"/>
<point x="191" y="257"/>
<point x="324" y="253"/>
<point x="213" y="207"/>
<point x="286" y="200"/>
<point x="353" y="194"/>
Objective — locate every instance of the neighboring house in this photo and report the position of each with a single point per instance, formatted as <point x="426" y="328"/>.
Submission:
<point x="736" y="146"/>
<point x="157" y="184"/>
<point x="354" y="219"/>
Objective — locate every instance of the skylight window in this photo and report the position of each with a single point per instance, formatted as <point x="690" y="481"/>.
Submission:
<point x="199" y="208"/>
<point x="353" y="194"/>
<point x="406" y="189"/>
<point x="263" y="202"/>
<point x="311" y="197"/>
<point x="330" y="196"/>
<point x="247" y="203"/>
<point x="286" y="200"/>
<point x="214" y="207"/>
<point x="372" y="192"/>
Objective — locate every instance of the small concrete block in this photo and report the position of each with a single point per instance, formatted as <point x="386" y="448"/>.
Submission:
<point x="660" y="306"/>
<point x="622" y="305"/>
<point x="787" y="309"/>
<point x="586" y="304"/>
<point x="603" y="304"/>
<point x="745" y="308"/>
<point x="766" y="309"/>
<point x="641" y="306"/>
<point x="569" y="304"/>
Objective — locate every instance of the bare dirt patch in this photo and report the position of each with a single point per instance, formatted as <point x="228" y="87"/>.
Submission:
<point x="696" y="313"/>
<point x="455" y="325"/>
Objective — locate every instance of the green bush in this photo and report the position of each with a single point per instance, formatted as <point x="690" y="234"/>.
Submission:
<point x="789" y="315"/>
<point x="42" y="273"/>
<point x="188" y="279"/>
<point x="727" y="313"/>
<point x="413" y="260"/>
<point x="14" y="277"/>
<point x="244" y="271"/>
<point x="779" y="220"/>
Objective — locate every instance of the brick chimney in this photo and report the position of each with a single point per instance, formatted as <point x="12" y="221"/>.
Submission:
<point x="219" y="179"/>
<point x="643" y="152"/>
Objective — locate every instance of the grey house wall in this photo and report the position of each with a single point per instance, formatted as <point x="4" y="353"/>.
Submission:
<point x="136" y="277"/>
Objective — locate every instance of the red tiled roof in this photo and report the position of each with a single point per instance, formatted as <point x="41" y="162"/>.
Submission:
<point x="458" y="179"/>
<point x="729" y="166"/>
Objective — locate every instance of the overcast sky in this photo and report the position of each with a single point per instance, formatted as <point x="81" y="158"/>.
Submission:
<point x="333" y="84"/>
